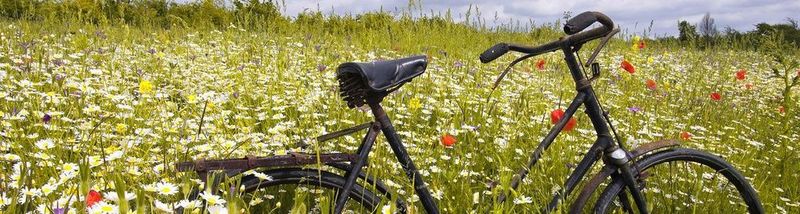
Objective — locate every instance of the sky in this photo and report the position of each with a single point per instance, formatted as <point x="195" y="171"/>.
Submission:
<point x="633" y="16"/>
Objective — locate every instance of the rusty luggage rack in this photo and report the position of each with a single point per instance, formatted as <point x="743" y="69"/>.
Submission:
<point x="252" y="162"/>
<point x="237" y="165"/>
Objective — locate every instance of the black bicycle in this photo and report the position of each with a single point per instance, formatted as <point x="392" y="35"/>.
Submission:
<point x="656" y="177"/>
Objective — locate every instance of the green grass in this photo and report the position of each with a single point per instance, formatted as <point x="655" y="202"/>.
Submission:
<point x="265" y="91"/>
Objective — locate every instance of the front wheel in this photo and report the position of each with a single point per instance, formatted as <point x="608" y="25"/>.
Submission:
<point x="684" y="180"/>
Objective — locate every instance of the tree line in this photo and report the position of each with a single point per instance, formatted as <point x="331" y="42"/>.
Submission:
<point x="705" y="34"/>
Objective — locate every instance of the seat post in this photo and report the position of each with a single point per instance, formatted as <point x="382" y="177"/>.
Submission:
<point x="400" y="152"/>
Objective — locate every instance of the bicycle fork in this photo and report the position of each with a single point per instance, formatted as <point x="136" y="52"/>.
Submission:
<point x="618" y="157"/>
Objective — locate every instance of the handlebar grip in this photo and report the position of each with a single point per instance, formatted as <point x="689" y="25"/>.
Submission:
<point x="582" y="21"/>
<point x="494" y="52"/>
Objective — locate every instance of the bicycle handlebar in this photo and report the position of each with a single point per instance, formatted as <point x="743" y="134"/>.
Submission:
<point x="582" y="21"/>
<point x="494" y="52"/>
<point x="502" y="48"/>
<point x="573" y="28"/>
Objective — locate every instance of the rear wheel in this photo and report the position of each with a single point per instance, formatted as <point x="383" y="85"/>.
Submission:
<point x="305" y="190"/>
<point x="684" y="180"/>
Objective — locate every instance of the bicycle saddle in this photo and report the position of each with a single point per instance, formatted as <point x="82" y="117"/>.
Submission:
<point x="358" y="80"/>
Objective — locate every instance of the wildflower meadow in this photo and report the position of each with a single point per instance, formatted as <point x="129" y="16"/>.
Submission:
<point x="96" y="112"/>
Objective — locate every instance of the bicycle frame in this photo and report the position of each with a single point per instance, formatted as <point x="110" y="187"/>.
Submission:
<point x="603" y="145"/>
<point x="384" y="124"/>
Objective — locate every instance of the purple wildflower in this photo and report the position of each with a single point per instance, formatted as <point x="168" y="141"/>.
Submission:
<point x="46" y="118"/>
<point x="59" y="210"/>
<point x="634" y="109"/>
<point x="100" y="34"/>
<point x="58" y="62"/>
<point x="321" y="67"/>
<point x="458" y="64"/>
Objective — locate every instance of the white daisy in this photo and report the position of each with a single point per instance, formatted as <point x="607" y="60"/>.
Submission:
<point x="187" y="204"/>
<point x="262" y="176"/>
<point x="168" y="208"/>
<point x="104" y="208"/>
<point x="48" y="188"/>
<point x="212" y="199"/>
<point x="45" y="144"/>
<point x="165" y="188"/>
<point x="69" y="167"/>
<point x="217" y="209"/>
<point x="113" y="196"/>
<point x="523" y="200"/>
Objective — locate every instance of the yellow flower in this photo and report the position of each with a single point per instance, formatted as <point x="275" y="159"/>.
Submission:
<point x="191" y="98"/>
<point x="650" y="60"/>
<point x="635" y="43"/>
<point x="210" y="106"/>
<point x="145" y="87"/>
<point x="414" y="103"/>
<point x="121" y="128"/>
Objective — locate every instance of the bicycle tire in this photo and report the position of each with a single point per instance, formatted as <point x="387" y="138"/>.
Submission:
<point x="746" y="192"/>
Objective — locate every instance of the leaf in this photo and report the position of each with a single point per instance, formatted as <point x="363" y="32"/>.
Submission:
<point x="299" y="208"/>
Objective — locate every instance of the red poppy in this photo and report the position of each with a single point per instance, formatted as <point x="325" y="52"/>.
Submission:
<point x="641" y="44"/>
<point x="93" y="197"/>
<point x="557" y="114"/>
<point x="651" y="84"/>
<point x="740" y="75"/>
<point x="627" y="66"/>
<point x="448" y="140"/>
<point x="781" y="109"/>
<point x="686" y="136"/>
<point x="716" y="96"/>
<point x="540" y="64"/>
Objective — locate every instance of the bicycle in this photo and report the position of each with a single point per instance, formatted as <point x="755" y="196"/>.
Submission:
<point x="629" y="172"/>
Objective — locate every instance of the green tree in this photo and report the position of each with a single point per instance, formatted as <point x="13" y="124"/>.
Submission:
<point x="688" y="32"/>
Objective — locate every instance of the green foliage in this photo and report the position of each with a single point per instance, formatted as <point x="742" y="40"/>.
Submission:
<point x="730" y="38"/>
<point x="784" y="63"/>
<point x="688" y="32"/>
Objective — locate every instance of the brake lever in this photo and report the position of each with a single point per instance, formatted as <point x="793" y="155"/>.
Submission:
<point x="601" y="45"/>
